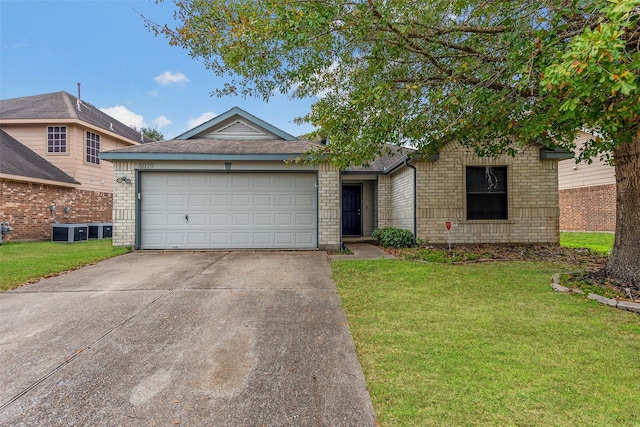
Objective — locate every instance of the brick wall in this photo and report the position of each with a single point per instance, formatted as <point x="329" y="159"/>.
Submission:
<point x="588" y="208"/>
<point x="532" y="191"/>
<point x="384" y="201"/>
<point x="328" y="207"/>
<point x="25" y="206"/>
<point x="124" y="208"/>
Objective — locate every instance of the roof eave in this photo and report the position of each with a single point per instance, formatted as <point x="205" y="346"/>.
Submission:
<point x="198" y="156"/>
<point x="52" y="182"/>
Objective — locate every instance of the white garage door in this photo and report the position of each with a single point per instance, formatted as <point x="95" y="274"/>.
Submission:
<point x="191" y="210"/>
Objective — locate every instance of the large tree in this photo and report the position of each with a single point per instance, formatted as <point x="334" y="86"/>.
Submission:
<point x="494" y="75"/>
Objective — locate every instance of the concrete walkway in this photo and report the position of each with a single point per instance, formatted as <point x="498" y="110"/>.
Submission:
<point x="363" y="251"/>
<point x="182" y="338"/>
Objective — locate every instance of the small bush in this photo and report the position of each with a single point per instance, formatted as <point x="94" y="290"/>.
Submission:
<point x="390" y="237"/>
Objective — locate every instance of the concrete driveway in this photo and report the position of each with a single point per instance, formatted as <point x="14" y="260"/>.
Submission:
<point x="182" y="338"/>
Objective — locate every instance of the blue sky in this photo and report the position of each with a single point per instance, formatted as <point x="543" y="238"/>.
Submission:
<point x="50" y="46"/>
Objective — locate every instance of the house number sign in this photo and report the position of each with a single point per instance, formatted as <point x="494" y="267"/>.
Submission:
<point x="145" y="165"/>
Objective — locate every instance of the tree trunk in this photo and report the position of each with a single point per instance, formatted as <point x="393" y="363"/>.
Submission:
<point x="624" y="263"/>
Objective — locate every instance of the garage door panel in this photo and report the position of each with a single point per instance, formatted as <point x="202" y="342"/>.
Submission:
<point x="283" y="239"/>
<point x="262" y="238"/>
<point x="241" y="181"/>
<point x="283" y="219"/>
<point x="239" y="219"/>
<point x="153" y="219"/>
<point x="262" y="181"/>
<point x="262" y="219"/>
<point x="220" y="200"/>
<point x="176" y="180"/>
<point x="175" y="238"/>
<point x="198" y="219"/>
<point x="221" y="219"/>
<point x="176" y="200"/>
<point x="198" y="180"/>
<point x="240" y="200"/>
<point x="283" y="200"/>
<point x="154" y="200"/>
<point x="305" y="219"/>
<point x="175" y="219"/>
<point x="228" y="210"/>
<point x="304" y="238"/>
<point x="199" y="239"/>
<point x="240" y="239"/>
<point x="304" y="200"/>
<point x="198" y="200"/>
<point x="262" y="200"/>
<point x="219" y="240"/>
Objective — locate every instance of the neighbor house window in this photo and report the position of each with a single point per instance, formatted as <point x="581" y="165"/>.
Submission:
<point x="93" y="148"/>
<point x="486" y="192"/>
<point x="56" y="139"/>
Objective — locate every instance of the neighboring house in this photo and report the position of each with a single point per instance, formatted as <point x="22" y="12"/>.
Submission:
<point x="226" y="184"/>
<point x="587" y="194"/>
<point x="49" y="158"/>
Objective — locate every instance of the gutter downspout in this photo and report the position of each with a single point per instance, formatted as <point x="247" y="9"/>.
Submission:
<point x="415" y="200"/>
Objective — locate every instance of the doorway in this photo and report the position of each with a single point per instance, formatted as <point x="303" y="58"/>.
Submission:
<point x="351" y="210"/>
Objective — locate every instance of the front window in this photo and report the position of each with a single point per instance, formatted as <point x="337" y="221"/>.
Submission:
<point x="93" y="148"/>
<point x="486" y="192"/>
<point x="56" y="139"/>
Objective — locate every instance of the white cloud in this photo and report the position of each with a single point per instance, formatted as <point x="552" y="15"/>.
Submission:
<point x="154" y="93"/>
<point x="125" y="116"/>
<point x="161" y="122"/>
<point x="168" y="77"/>
<point x="201" y="119"/>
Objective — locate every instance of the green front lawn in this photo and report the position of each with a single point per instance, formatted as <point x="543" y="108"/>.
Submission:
<point x="488" y="344"/>
<point x="24" y="262"/>
<point x="598" y="242"/>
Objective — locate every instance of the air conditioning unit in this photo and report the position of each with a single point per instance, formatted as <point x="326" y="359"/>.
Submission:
<point x="100" y="230"/>
<point x="68" y="233"/>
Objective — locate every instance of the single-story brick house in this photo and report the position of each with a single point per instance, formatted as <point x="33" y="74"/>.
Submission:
<point x="50" y="170"/>
<point x="225" y="184"/>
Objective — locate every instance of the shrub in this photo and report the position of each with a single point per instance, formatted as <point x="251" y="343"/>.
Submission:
<point x="390" y="237"/>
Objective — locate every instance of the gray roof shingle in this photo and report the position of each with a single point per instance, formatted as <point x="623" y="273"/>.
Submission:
<point x="17" y="159"/>
<point x="61" y="106"/>
<point x="222" y="146"/>
<point x="384" y="163"/>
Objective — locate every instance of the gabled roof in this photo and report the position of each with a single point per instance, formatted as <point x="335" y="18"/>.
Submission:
<point x="234" y="135"/>
<point x="242" y="121"/>
<point x="63" y="106"/>
<point x="18" y="160"/>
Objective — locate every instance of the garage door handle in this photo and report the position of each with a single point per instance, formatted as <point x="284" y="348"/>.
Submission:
<point x="186" y="217"/>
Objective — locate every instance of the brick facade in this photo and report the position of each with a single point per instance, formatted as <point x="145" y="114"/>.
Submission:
<point x="532" y="191"/>
<point x="124" y="207"/>
<point x="329" y="214"/>
<point x="588" y="208"/>
<point x="25" y="206"/>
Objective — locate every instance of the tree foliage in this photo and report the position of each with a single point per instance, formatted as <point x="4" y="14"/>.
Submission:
<point x="491" y="74"/>
<point x="495" y="75"/>
<point x="149" y="132"/>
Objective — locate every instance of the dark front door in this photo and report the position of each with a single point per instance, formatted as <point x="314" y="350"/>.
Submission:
<point x="351" y="206"/>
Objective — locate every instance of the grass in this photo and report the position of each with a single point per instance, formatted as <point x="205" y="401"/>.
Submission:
<point x="598" y="242"/>
<point x="488" y="344"/>
<point x="25" y="262"/>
